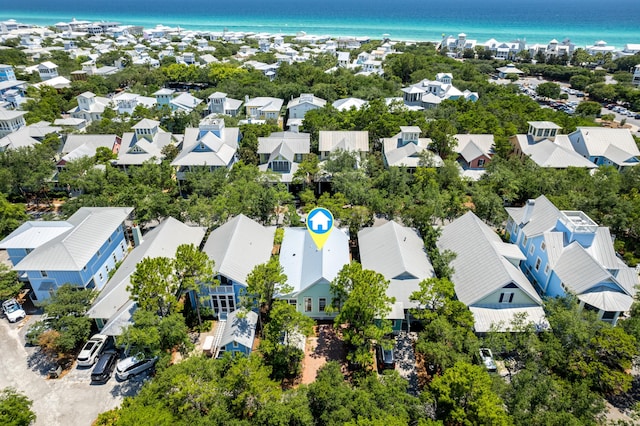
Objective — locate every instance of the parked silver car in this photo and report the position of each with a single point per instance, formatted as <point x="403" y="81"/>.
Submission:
<point x="134" y="365"/>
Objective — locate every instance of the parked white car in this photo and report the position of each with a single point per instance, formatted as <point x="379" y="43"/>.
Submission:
<point x="134" y="365"/>
<point x="13" y="310"/>
<point x="91" y="350"/>
<point x="487" y="359"/>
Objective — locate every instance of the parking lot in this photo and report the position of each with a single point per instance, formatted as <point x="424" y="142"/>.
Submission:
<point x="68" y="400"/>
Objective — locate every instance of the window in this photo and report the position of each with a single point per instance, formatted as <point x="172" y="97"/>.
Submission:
<point x="546" y="269"/>
<point x="44" y="274"/>
<point x="538" y="262"/>
<point x="235" y="344"/>
<point x="307" y="304"/>
<point x="293" y="302"/>
<point x="531" y="249"/>
<point x="481" y="162"/>
<point x="322" y="302"/>
<point x="107" y="267"/>
<point x="608" y="315"/>
<point x="100" y="276"/>
<point x="115" y="259"/>
<point x="506" y="297"/>
<point x="543" y="246"/>
<point x="524" y="241"/>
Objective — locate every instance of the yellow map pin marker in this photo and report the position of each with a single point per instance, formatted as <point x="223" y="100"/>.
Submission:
<point x="320" y="225"/>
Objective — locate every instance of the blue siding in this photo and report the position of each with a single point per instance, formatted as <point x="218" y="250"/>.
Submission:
<point x="16" y="255"/>
<point x="240" y="349"/>
<point x="537" y="277"/>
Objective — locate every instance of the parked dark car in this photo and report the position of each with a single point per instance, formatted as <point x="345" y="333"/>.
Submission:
<point x="385" y="358"/>
<point x="104" y="367"/>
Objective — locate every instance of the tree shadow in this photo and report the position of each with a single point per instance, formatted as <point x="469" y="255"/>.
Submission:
<point x="129" y="387"/>
<point x="41" y="362"/>
<point x="406" y="361"/>
<point x="329" y="346"/>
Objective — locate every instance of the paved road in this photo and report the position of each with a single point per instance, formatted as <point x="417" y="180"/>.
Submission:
<point x="70" y="400"/>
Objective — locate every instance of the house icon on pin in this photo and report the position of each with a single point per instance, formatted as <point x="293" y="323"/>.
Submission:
<point x="320" y="222"/>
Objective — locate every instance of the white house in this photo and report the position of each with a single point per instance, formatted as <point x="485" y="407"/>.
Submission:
<point x="547" y="148"/>
<point x="90" y="107"/>
<point x="209" y="146"/>
<point x="263" y="108"/>
<point x="145" y="143"/>
<point x="407" y="149"/>
<point x="282" y="152"/>
<point x="430" y="93"/>
<point x="47" y="70"/>
<point x="353" y="141"/>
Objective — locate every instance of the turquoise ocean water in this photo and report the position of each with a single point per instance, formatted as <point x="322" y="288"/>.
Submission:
<point x="582" y="21"/>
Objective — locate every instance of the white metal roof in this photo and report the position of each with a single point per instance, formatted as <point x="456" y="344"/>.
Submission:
<point x="502" y="318"/>
<point x="480" y="267"/>
<point x="344" y="140"/>
<point x="72" y="250"/>
<point x="161" y="241"/>
<point x="33" y="234"/>
<point x="304" y="264"/>
<point x="240" y="327"/>
<point x="610" y="301"/>
<point x="238" y="246"/>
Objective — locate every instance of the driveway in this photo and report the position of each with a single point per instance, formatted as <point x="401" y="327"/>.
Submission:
<point x="71" y="399"/>
<point x="406" y="360"/>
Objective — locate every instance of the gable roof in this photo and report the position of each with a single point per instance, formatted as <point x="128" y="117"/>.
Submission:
<point x="221" y="149"/>
<point x="552" y="154"/>
<point x="240" y="327"/>
<point x="407" y="155"/>
<point x="72" y="250"/>
<point x="238" y="246"/>
<point x="161" y="241"/>
<point x="398" y="253"/>
<point x="472" y="146"/>
<point x="299" y="143"/>
<point x="306" y="98"/>
<point x="304" y="264"/>
<point x="75" y="141"/>
<point x="344" y="140"/>
<point x="617" y="145"/>
<point x="482" y="264"/>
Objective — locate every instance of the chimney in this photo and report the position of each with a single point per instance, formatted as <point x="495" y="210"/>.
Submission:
<point x="528" y="211"/>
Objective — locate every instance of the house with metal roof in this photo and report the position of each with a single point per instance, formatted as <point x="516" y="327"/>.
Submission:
<point x="145" y="143"/>
<point x="604" y="146"/>
<point x="113" y="307"/>
<point x="310" y="270"/>
<point x="239" y="333"/>
<point x="567" y="252"/>
<point x="474" y="150"/>
<point x="407" y="149"/>
<point x="210" y="146"/>
<point x="299" y="106"/>
<point x="430" y="93"/>
<point x="263" y="108"/>
<point x="282" y="153"/>
<point x="11" y="121"/>
<point x="184" y="102"/>
<point x="347" y="103"/>
<point x="352" y="141"/>
<point x="78" y="145"/>
<point x="90" y="107"/>
<point x="80" y="251"/>
<point x="236" y="247"/>
<point x="487" y="276"/>
<point x="397" y="252"/>
<point x="544" y="144"/>
<point x="220" y="103"/>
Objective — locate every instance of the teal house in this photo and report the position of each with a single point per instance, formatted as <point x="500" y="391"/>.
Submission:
<point x="310" y="270"/>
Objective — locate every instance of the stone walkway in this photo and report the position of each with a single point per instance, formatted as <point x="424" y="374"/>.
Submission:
<point x="323" y="347"/>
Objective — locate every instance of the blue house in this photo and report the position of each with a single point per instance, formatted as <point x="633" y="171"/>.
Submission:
<point x="567" y="252"/>
<point x="236" y="248"/>
<point x="239" y="333"/>
<point x="80" y="251"/>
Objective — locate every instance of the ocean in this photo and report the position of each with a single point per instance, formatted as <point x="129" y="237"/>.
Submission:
<point x="537" y="21"/>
